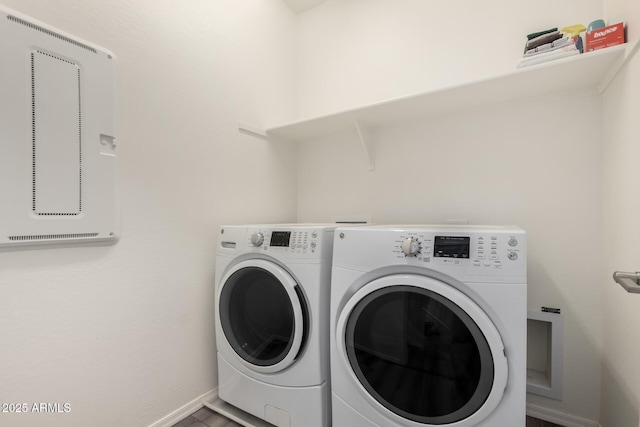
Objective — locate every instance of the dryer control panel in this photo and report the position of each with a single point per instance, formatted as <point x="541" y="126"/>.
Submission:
<point x="290" y="240"/>
<point x="281" y="240"/>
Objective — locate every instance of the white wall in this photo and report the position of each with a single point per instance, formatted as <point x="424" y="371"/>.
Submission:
<point x="536" y="165"/>
<point x="621" y="345"/>
<point x="125" y="333"/>
<point x="353" y="52"/>
<point x="621" y="371"/>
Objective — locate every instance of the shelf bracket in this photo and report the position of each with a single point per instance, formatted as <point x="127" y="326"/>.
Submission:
<point x="365" y="140"/>
<point x="252" y="130"/>
<point x="630" y="51"/>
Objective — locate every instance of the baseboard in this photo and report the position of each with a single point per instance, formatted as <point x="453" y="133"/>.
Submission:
<point x="557" y="417"/>
<point x="211" y="396"/>
<point x="185" y="410"/>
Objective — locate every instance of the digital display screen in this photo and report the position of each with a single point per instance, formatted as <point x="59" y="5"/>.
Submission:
<point x="280" y="238"/>
<point x="451" y="247"/>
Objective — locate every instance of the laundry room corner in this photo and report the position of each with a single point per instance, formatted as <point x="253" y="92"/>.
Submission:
<point x="534" y="163"/>
<point x="292" y="116"/>
<point x="416" y="181"/>
<point x="123" y="334"/>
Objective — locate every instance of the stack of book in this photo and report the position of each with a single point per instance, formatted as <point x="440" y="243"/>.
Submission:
<point x="550" y="45"/>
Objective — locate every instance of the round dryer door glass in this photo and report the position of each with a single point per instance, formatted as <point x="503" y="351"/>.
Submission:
<point x="419" y="354"/>
<point x="258" y="316"/>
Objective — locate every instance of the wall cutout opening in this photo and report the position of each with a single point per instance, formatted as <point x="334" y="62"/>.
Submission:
<point x="544" y="354"/>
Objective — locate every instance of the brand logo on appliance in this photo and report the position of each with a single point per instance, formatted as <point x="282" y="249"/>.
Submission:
<point x="605" y="32"/>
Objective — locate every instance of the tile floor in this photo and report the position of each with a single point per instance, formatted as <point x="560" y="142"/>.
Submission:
<point x="205" y="417"/>
<point x="534" y="422"/>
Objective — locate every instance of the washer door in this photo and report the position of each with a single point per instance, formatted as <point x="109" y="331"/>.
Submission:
<point x="263" y="315"/>
<point x="422" y="351"/>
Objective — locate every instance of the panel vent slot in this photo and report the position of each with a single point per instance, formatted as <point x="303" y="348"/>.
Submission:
<point x="56" y="109"/>
<point x="52" y="237"/>
<point x="50" y="33"/>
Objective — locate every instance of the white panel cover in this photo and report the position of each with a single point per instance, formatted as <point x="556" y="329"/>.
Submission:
<point x="57" y="139"/>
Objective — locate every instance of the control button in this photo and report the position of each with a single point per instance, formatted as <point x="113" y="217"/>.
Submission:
<point x="410" y="246"/>
<point x="494" y="257"/>
<point x="513" y="242"/>
<point x="314" y="234"/>
<point x="476" y="263"/>
<point x="313" y="244"/>
<point x="257" y="239"/>
<point x="513" y="256"/>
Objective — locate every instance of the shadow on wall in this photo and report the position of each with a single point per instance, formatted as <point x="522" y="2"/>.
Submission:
<point x="619" y="409"/>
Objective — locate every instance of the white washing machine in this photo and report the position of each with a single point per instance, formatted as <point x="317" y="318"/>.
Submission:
<point x="428" y="326"/>
<point x="272" y="308"/>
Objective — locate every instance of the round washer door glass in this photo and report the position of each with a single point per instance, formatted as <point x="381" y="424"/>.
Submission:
<point x="262" y="314"/>
<point x="420" y="354"/>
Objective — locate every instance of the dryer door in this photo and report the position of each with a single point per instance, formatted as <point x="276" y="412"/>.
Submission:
<point x="263" y="315"/>
<point x="422" y="351"/>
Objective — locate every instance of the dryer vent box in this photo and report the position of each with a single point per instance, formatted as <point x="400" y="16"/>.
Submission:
<point x="544" y="354"/>
<point x="57" y="139"/>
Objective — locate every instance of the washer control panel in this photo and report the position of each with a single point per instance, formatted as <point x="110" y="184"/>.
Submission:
<point x="482" y="250"/>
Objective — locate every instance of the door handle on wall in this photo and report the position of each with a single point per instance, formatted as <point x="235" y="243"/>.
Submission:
<point x="629" y="281"/>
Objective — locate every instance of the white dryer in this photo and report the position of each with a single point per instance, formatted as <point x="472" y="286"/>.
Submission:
<point x="428" y="326"/>
<point x="272" y="307"/>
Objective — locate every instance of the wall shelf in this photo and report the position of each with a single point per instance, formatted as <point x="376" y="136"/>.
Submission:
<point x="589" y="71"/>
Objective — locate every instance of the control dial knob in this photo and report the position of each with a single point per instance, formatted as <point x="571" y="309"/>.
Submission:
<point x="410" y="246"/>
<point x="257" y="239"/>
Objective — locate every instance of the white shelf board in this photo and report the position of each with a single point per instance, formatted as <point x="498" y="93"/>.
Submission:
<point x="580" y="72"/>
